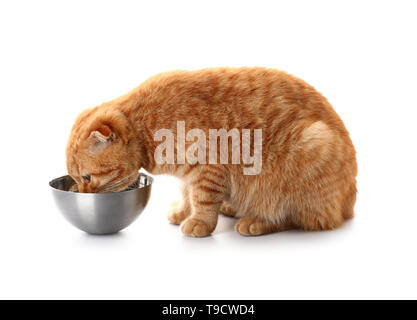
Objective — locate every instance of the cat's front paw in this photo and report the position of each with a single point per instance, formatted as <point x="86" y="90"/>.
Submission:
<point x="227" y="209"/>
<point x="177" y="213"/>
<point x="196" y="228"/>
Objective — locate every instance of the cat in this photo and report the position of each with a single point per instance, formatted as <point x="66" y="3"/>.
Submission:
<point x="308" y="174"/>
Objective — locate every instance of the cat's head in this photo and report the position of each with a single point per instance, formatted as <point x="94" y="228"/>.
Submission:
<point x="102" y="151"/>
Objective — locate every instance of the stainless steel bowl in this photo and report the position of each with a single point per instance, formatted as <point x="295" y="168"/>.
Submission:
<point x="101" y="213"/>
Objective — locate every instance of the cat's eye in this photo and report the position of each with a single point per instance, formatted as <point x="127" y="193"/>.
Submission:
<point x="87" y="178"/>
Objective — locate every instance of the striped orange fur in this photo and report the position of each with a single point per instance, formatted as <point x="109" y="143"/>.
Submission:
<point x="308" y="176"/>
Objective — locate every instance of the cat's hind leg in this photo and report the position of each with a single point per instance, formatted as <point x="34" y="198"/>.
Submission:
<point x="253" y="226"/>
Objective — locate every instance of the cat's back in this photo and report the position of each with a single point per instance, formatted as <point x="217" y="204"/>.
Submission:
<point x="248" y="97"/>
<point x="259" y="88"/>
<point x="219" y="84"/>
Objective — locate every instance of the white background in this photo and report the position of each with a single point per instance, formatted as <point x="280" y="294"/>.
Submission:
<point x="58" y="58"/>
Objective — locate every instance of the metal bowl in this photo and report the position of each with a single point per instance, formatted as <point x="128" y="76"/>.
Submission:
<point x="101" y="213"/>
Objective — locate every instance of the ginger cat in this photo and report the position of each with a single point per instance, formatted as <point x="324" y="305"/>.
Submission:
<point x="308" y="174"/>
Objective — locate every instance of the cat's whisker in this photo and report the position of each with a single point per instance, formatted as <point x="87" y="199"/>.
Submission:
<point x="119" y="185"/>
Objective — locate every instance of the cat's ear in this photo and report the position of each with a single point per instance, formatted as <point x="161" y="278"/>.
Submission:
<point x="103" y="134"/>
<point x="108" y="127"/>
<point x="100" y="139"/>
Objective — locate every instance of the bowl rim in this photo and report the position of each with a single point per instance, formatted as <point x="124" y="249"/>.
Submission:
<point x="150" y="182"/>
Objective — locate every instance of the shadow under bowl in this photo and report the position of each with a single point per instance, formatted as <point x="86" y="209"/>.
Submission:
<point x="101" y="213"/>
